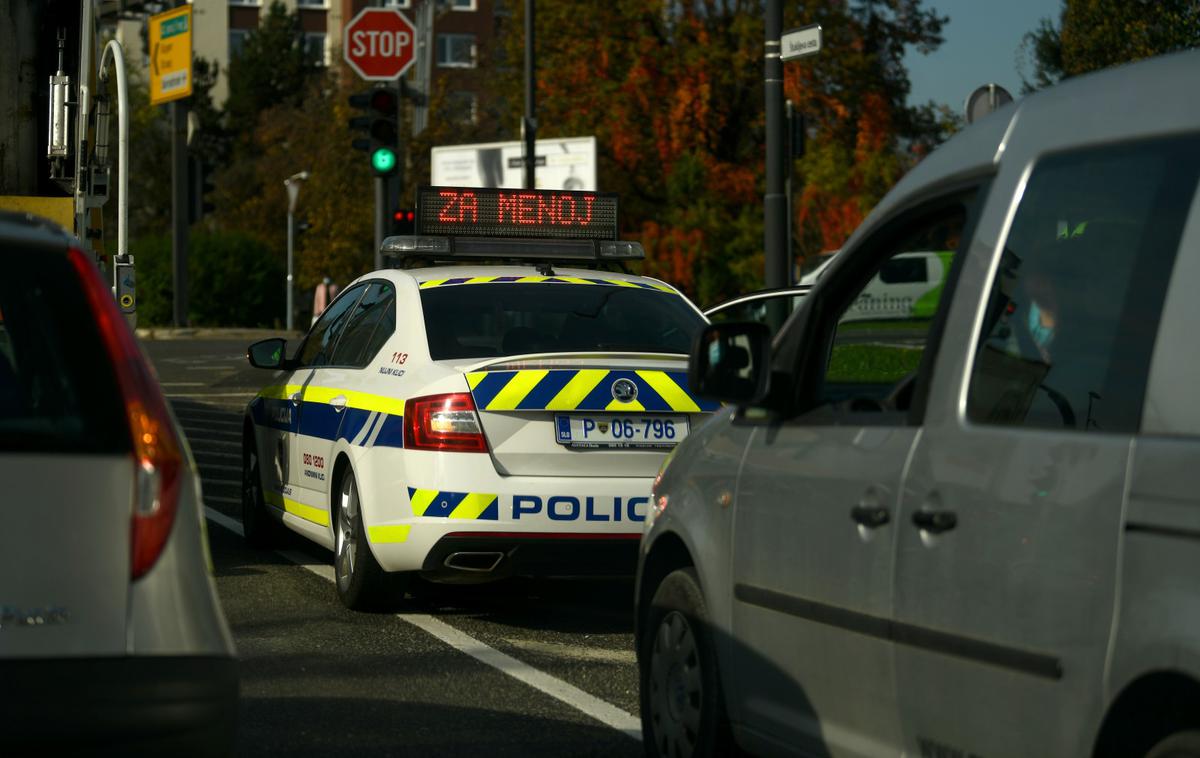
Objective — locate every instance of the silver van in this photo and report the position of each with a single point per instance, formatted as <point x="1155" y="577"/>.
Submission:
<point x="974" y="531"/>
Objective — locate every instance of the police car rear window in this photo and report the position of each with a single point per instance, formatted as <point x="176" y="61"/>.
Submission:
<point x="57" y="389"/>
<point x="498" y="320"/>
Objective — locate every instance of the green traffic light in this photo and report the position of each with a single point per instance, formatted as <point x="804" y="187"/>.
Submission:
<point x="383" y="160"/>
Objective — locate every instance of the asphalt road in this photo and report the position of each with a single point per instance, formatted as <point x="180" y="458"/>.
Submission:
<point x="514" y="668"/>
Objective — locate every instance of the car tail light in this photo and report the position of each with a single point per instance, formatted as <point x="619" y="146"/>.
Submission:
<point x="443" y="422"/>
<point x="157" y="456"/>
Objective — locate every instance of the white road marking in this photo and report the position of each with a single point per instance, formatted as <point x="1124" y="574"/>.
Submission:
<point x="579" y="652"/>
<point x="589" y="705"/>
<point x="233" y="443"/>
<point x="219" y="467"/>
<point x="212" y="454"/>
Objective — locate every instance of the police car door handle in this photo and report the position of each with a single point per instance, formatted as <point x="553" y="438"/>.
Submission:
<point x="295" y="397"/>
<point x="338" y="403"/>
<point x="935" y="522"/>
<point x="870" y="516"/>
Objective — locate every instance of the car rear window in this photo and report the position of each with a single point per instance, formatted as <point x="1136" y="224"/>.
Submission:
<point x="485" y="320"/>
<point x="57" y="389"/>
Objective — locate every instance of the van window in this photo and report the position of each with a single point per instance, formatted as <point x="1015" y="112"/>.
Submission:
<point x="1075" y="302"/>
<point x="883" y="331"/>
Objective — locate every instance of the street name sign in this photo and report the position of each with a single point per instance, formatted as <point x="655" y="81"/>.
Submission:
<point x="797" y="43"/>
<point x="170" y="37"/>
<point x="379" y="44"/>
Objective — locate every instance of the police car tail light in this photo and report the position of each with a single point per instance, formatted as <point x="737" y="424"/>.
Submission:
<point x="157" y="456"/>
<point x="443" y="422"/>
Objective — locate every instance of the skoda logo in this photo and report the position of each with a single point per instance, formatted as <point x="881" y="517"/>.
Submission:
<point x="624" y="391"/>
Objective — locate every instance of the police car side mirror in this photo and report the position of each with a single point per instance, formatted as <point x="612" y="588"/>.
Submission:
<point x="730" y="362"/>
<point x="268" y="353"/>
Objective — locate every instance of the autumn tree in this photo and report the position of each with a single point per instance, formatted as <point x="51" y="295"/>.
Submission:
<point x="1093" y="34"/>
<point x="673" y="93"/>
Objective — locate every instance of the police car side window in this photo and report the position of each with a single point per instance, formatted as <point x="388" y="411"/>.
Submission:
<point x="1076" y="300"/>
<point x="317" y="349"/>
<point x="369" y="324"/>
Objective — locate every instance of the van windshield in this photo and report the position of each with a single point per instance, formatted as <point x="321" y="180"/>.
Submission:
<point x="504" y="319"/>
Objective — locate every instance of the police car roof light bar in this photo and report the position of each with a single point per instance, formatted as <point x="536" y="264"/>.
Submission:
<point x="422" y="250"/>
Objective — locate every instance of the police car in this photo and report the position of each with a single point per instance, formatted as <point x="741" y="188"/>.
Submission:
<point x="496" y="404"/>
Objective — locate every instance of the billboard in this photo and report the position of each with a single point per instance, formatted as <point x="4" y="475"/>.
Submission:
<point x="568" y="163"/>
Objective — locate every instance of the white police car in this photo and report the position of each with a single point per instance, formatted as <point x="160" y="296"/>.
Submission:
<point x="477" y="421"/>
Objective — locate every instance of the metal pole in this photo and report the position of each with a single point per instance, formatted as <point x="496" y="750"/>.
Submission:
<point x="530" y="103"/>
<point x="291" y="309"/>
<point x="774" y="203"/>
<point x="179" y="215"/>
<point x="87" y="37"/>
<point x="380" y="212"/>
<point x="113" y="51"/>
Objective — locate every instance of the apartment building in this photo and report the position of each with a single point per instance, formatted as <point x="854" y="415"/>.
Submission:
<point x="460" y="29"/>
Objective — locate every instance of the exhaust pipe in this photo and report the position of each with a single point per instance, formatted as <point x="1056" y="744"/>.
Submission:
<point x="482" y="563"/>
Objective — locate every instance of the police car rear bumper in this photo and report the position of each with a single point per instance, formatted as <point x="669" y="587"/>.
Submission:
<point x="474" y="557"/>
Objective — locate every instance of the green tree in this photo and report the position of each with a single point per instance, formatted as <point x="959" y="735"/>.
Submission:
<point x="1095" y="34"/>
<point x="675" y="99"/>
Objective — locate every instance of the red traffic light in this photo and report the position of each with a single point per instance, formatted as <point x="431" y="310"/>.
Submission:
<point x="384" y="101"/>
<point x="405" y="216"/>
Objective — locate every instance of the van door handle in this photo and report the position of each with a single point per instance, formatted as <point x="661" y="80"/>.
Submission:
<point x="338" y="403"/>
<point x="935" y="522"/>
<point x="870" y="516"/>
<point x="295" y="397"/>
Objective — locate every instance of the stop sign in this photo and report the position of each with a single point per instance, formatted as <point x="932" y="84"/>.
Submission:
<point x="379" y="44"/>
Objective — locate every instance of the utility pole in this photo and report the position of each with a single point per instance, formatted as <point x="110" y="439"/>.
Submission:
<point x="179" y="211"/>
<point x="292" y="183"/>
<point x="777" y="273"/>
<point x="530" y="122"/>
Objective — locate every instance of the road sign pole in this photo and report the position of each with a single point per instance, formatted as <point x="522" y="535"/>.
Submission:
<point x="530" y="103"/>
<point x="381" y="213"/>
<point x="777" y="273"/>
<point x="179" y="211"/>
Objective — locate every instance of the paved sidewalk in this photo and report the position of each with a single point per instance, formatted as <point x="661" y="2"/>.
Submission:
<point x="212" y="333"/>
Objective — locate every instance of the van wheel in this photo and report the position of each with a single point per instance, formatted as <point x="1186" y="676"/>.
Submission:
<point x="258" y="527"/>
<point x="683" y="711"/>
<point x="1178" y="745"/>
<point x="362" y="584"/>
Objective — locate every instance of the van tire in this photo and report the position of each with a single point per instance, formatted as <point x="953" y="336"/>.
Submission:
<point x="1179" y="745"/>
<point x="682" y="707"/>
<point x="259" y="527"/>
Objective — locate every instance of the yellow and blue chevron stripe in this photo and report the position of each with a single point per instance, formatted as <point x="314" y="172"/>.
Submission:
<point x="456" y="505"/>
<point x="583" y="390"/>
<point x="645" y="285"/>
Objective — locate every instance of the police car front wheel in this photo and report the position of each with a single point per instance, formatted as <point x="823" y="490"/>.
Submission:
<point x="361" y="583"/>
<point x="258" y="527"/>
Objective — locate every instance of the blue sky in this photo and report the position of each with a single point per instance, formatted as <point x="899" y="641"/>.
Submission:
<point x="982" y="41"/>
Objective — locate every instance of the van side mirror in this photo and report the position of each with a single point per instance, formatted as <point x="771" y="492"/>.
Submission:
<point x="731" y="362"/>
<point x="268" y="353"/>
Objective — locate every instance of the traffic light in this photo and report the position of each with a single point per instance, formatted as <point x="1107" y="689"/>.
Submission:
<point x="381" y="105"/>
<point x="404" y="221"/>
<point x="200" y="188"/>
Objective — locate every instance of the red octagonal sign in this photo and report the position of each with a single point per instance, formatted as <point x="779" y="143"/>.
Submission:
<point x="379" y="44"/>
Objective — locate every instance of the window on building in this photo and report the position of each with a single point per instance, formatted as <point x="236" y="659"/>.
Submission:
<point x="462" y="5"/>
<point x="462" y="107"/>
<point x="237" y="41"/>
<point x="314" y="48"/>
<point x="456" y="50"/>
<point x="395" y="3"/>
<point x="312" y="3"/>
<point x="245" y="2"/>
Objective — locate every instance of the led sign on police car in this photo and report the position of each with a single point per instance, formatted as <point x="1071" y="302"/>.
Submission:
<point x="494" y="212"/>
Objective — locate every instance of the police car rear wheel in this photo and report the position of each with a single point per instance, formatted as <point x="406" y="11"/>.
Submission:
<point x="361" y="583"/>
<point x="683" y="712"/>
<point x="259" y="529"/>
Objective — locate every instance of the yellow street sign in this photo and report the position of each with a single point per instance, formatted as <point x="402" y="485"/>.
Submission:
<point x="171" y="55"/>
